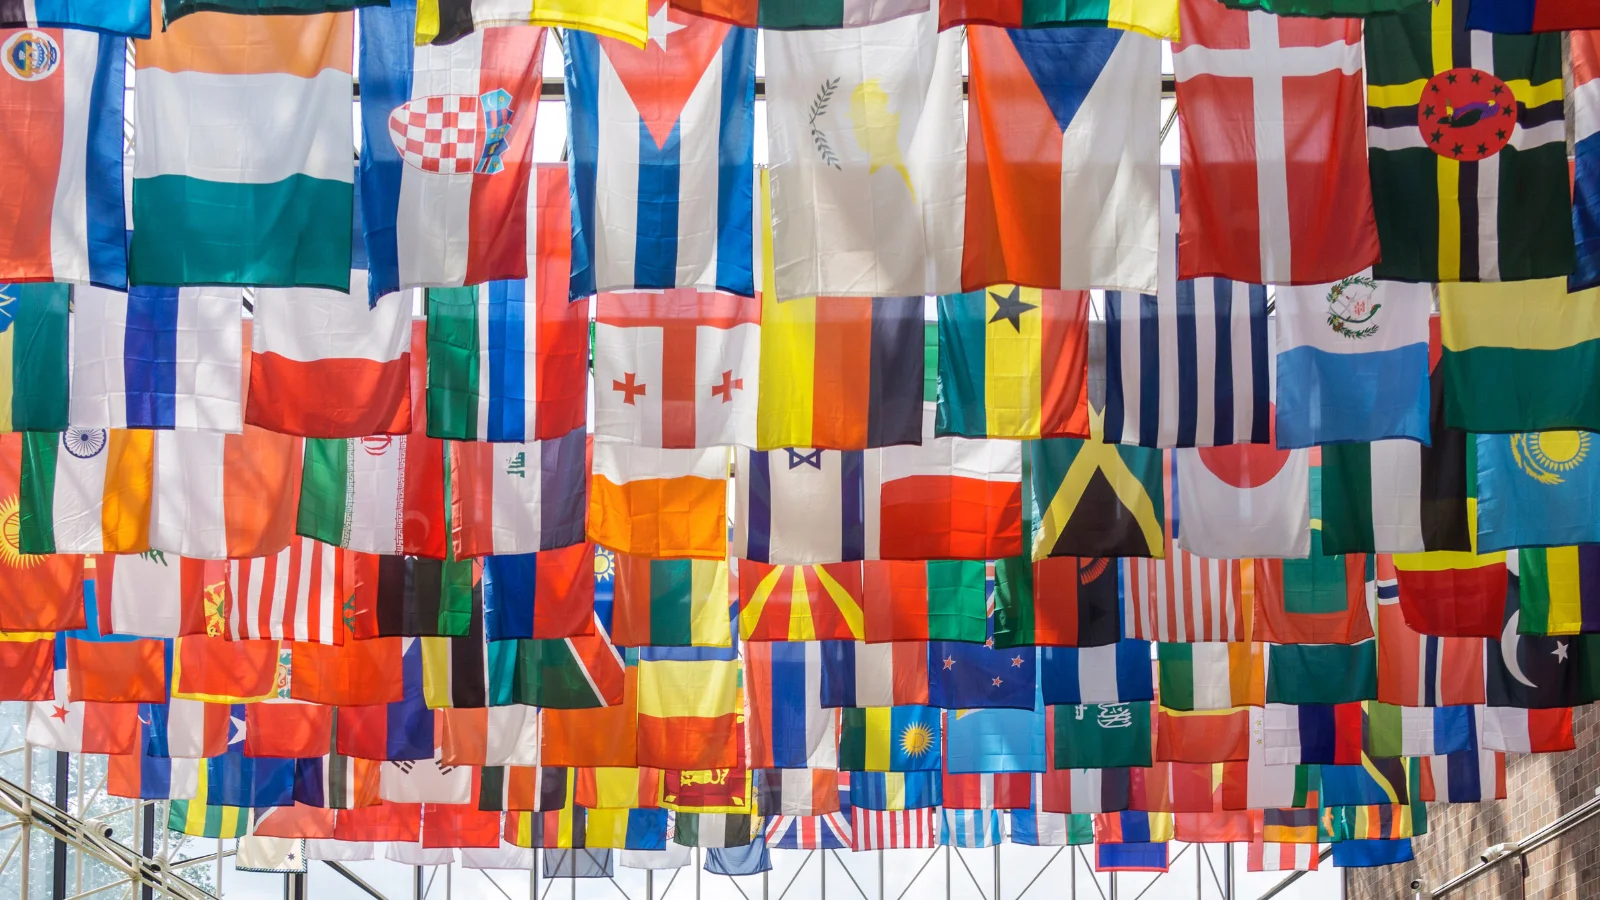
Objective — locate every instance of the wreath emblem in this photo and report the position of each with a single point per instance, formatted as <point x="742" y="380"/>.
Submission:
<point x="1351" y="307"/>
<point x="819" y="108"/>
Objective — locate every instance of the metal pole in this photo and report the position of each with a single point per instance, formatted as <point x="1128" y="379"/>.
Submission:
<point x="997" y="870"/>
<point x="27" y="811"/>
<point x="572" y="871"/>
<point x="947" y="851"/>
<point x="58" y="862"/>
<point x="880" y="875"/>
<point x="1197" y="872"/>
<point x="449" y="870"/>
<point x="219" y="867"/>
<point x="533" y="875"/>
<point x="1113" y="886"/>
<point x="821" y="895"/>
<point x="649" y="884"/>
<point x="147" y="845"/>
<point x="697" y="875"/>
<point x="417" y="892"/>
<point x="1227" y="863"/>
<point x="1074" y="881"/>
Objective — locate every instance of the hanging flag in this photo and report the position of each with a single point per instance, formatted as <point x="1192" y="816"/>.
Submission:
<point x="996" y="380"/>
<point x="1418" y="669"/>
<point x="890" y="739"/>
<point x="220" y="496"/>
<point x="158" y="358"/>
<point x="150" y="595"/>
<point x="1114" y="673"/>
<point x="1352" y="360"/>
<point x="1263" y="856"/>
<point x="201" y="818"/>
<point x="492" y="736"/>
<point x="1031" y="828"/>
<point x="969" y="828"/>
<point x="65" y="96"/>
<point x="1072" y="213"/>
<point x="380" y="494"/>
<point x="142" y="777"/>
<point x="800" y="506"/>
<point x="1190" y="364"/>
<point x="597" y="734"/>
<point x="26" y="671"/>
<point x="1515" y="730"/>
<point x="1322" y="673"/>
<point x="507" y="360"/>
<point x="356" y="673"/>
<point x="787" y="724"/>
<point x="671" y="602"/>
<point x="1454" y="594"/>
<point x="662" y="137"/>
<point x="33" y="356"/>
<point x="1530" y="16"/>
<point x="1323" y="8"/>
<point x="1062" y="601"/>
<point x="518" y="498"/>
<point x="1207" y="676"/>
<point x="714" y="830"/>
<point x="1101" y="735"/>
<point x="981" y="676"/>
<point x="1318" y="600"/>
<point x="1244" y="500"/>
<point x="844" y="373"/>
<point x="82" y="726"/>
<point x="941" y="600"/>
<point x="222" y="671"/>
<point x="659" y="503"/>
<point x="988" y="741"/>
<point x="1535" y="490"/>
<point x="445" y="22"/>
<point x="287" y="729"/>
<point x="425" y="781"/>
<point x="1330" y="734"/>
<point x="681" y="368"/>
<point x="894" y="830"/>
<point x="1248" y="214"/>
<point x="1078" y="791"/>
<point x="797" y="15"/>
<point x="1558" y="590"/>
<point x="583" y="672"/>
<point x="1586" y="157"/>
<point x="1182" y="597"/>
<point x="946" y="498"/>
<point x="1436" y="172"/>
<point x="1093" y="499"/>
<point x="406" y="596"/>
<point x="37" y="592"/>
<point x="86" y="490"/>
<point x="1396" y="731"/>
<point x="306" y="339"/>
<point x="453" y="668"/>
<point x="540" y="595"/>
<point x="800" y="603"/>
<point x="797" y="792"/>
<point x="1207" y="736"/>
<point x="867" y="141"/>
<point x="855" y="674"/>
<point x="894" y="791"/>
<point x="272" y="203"/>
<point x="689" y="700"/>
<point x="1156" y="19"/>
<point x="299" y="595"/>
<point x="1535" y="671"/>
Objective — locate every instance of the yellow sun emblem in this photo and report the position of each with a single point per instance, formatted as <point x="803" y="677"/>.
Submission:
<point x="11" y="538"/>
<point x="1548" y="455"/>
<point x="605" y="564"/>
<point x="916" y="740"/>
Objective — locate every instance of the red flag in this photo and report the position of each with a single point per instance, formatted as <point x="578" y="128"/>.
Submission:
<point x="297" y="821"/>
<point x="38" y="592"/>
<point x="117" y="671"/>
<point x="1300" y="612"/>
<point x="291" y="730"/>
<point x="1203" y="737"/>
<point x="460" y="824"/>
<point x="386" y="821"/>
<point x="223" y="671"/>
<point x="1420" y="670"/>
<point x="298" y="595"/>
<point x="359" y="673"/>
<point x="159" y="596"/>
<point x="27" y="665"/>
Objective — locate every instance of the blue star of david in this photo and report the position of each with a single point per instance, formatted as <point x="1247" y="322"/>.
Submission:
<point x="812" y="459"/>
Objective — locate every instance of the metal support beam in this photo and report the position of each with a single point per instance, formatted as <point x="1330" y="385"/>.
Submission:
<point x="58" y="855"/>
<point x="351" y="877"/>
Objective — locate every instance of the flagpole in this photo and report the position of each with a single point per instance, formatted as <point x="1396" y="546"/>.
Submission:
<point x="947" y="851"/>
<point x="997" y="868"/>
<point x="822" y="894"/>
<point x="649" y="884"/>
<point x="696" y="873"/>
<point x="1074" y="879"/>
<point x="880" y="875"/>
<point x="533" y="874"/>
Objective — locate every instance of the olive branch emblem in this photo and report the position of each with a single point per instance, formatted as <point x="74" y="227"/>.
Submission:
<point x="819" y="108"/>
<point x="1346" y="325"/>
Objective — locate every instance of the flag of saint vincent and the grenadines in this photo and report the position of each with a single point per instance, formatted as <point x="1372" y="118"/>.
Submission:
<point x="464" y="211"/>
<point x="273" y="203"/>
<point x="995" y="378"/>
<point x="64" y="94"/>
<point x="1157" y="19"/>
<point x="1028" y="193"/>
<point x="507" y="360"/>
<point x="662" y="140"/>
<point x="34" y="367"/>
<point x="1467" y="149"/>
<point x="443" y="22"/>
<point x="802" y="15"/>
<point x="1530" y="16"/>
<point x="1536" y="489"/>
<point x="1560" y="590"/>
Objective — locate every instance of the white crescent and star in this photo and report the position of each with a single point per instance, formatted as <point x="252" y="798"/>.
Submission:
<point x="1508" y="649"/>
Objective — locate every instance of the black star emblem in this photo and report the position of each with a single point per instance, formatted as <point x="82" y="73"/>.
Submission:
<point x="1497" y="89"/>
<point x="1506" y="110"/>
<point x="1451" y="77"/>
<point x="1456" y="149"/>
<point x="1010" y="307"/>
<point x="1483" y="149"/>
<point x="1434" y="88"/>
<point x="1477" y="77"/>
<point x="1436" y="137"/>
<point x="1427" y="112"/>
<point x="1500" y="133"/>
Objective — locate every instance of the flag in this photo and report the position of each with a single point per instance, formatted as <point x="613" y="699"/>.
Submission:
<point x="1093" y="499"/>
<point x="787" y="725"/>
<point x="583" y="672"/>
<point x="689" y="700"/>
<point x="150" y="596"/>
<point x="549" y="594"/>
<point x="1453" y="593"/>
<point x="1244" y="500"/>
<point x="1130" y="856"/>
<point x="518" y="498"/>
<point x="445" y="22"/>
<point x="223" y="671"/>
<point x="299" y="595"/>
<point x="1183" y="597"/>
<point x="1322" y="673"/>
<point x="1558" y="590"/>
<point x="1514" y="730"/>
<point x="86" y="490"/>
<point x="941" y="600"/>
<point x="157" y="358"/>
<point x="405" y="596"/>
<point x="659" y="503"/>
<point x="1043" y="829"/>
<point x="866" y="131"/>
<point x="1355" y="854"/>
<point x="1190" y="365"/>
<point x="448" y="213"/>
<point x="677" y="369"/>
<point x="1436" y="141"/>
<point x="713" y="830"/>
<point x="1061" y="601"/>
<point x="986" y="741"/>
<point x="890" y="739"/>
<point x="1264" y="856"/>
<point x="140" y="776"/>
<point x="995" y="378"/>
<point x="272" y="203"/>
<point x="1158" y="19"/>
<point x="670" y="602"/>
<point x="454" y="670"/>
<point x="797" y="792"/>
<point x="752" y="859"/>
<point x="1101" y="735"/>
<point x="662" y="141"/>
<point x="33" y="357"/>
<point x="801" y="506"/>
<point x="1534" y="490"/>
<point x="895" y="791"/>
<point x="1210" y="675"/>
<point x="844" y="373"/>
<point x="1418" y="669"/>
<point x="507" y="359"/>
<point x="1353" y="361"/>
<point x="947" y="498"/>
<point x="981" y="676"/>
<point x="1078" y="791"/>
<point x="201" y="818"/>
<point x="65" y="97"/>
<point x="287" y="729"/>
<point x="855" y="674"/>
<point x="1535" y="671"/>
<point x="801" y="602"/>
<point x="1207" y="736"/>
<point x="307" y="338"/>
<point x="81" y="726"/>
<point x="1586" y="158"/>
<point x="1274" y="158"/>
<point x="1504" y="378"/>
<point x="381" y="494"/>
<point x="26" y="669"/>
<point x="796" y="15"/>
<point x="1317" y="600"/>
<point x="893" y="830"/>
<point x="357" y="673"/>
<point x="969" y="828"/>
<point x="829" y="832"/>
<point x="1529" y="16"/>
<point x="1114" y="673"/>
<point x="1314" y="733"/>
<point x="1075" y="214"/>
<point x="384" y="822"/>
<point x="425" y="780"/>
<point x="399" y="730"/>
<point x="219" y="496"/>
<point x="492" y="736"/>
<point x="1394" y="731"/>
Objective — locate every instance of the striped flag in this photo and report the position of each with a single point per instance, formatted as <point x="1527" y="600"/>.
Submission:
<point x="379" y="494"/>
<point x="894" y="830"/>
<point x="34" y="395"/>
<point x="1275" y="857"/>
<point x="659" y="503"/>
<point x="969" y="828"/>
<point x="158" y="358"/>
<point x="1586" y="157"/>
<point x="510" y="498"/>
<point x="1183" y="597"/>
<point x="299" y="595"/>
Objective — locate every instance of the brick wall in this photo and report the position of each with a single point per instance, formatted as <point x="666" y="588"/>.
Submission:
<point x="1539" y="788"/>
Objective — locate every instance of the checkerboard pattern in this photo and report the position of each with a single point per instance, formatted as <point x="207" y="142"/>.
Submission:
<point x="438" y="134"/>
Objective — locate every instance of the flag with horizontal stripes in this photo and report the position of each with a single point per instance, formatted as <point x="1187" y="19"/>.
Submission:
<point x="1181" y="596"/>
<point x="894" y="830"/>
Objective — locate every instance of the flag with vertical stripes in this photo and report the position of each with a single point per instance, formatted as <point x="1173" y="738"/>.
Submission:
<point x="1182" y="597"/>
<point x="304" y="593"/>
